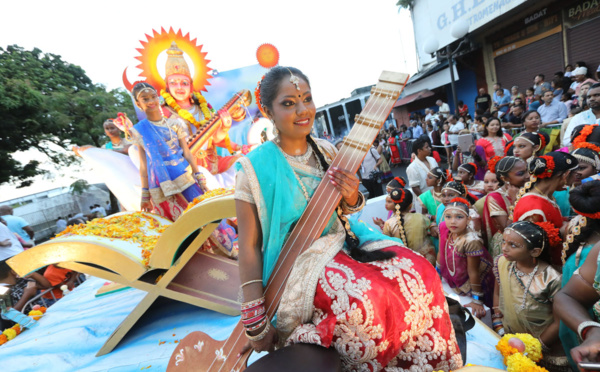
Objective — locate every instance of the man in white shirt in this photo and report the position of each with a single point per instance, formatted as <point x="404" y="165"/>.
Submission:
<point x="9" y="244"/>
<point x="455" y="127"/>
<point x="420" y="166"/>
<point x="444" y="109"/>
<point x="428" y="114"/>
<point x="591" y="116"/>
<point x="551" y="112"/>
<point x="417" y="130"/>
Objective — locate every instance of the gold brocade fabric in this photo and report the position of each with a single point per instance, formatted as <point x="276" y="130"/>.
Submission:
<point x="415" y="230"/>
<point x="536" y="316"/>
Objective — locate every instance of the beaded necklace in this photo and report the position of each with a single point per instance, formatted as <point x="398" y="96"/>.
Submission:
<point x="450" y="244"/>
<point x="519" y="274"/>
<point x="304" y="158"/>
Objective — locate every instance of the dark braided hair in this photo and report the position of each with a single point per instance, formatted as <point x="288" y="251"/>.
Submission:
<point x="536" y="235"/>
<point x="585" y="199"/>
<point x="268" y="92"/>
<point x="402" y="200"/>
<point x="504" y="166"/>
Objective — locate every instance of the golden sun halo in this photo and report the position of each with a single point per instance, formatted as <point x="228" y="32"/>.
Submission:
<point x="159" y="42"/>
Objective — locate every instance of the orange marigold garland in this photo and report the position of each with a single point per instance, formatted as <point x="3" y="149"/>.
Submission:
<point x="209" y="194"/>
<point x="185" y="114"/>
<point x="581" y="140"/>
<point x="550" y="165"/>
<point x="552" y="232"/>
<point x="492" y="163"/>
<point x="542" y="141"/>
<point x="400" y="181"/>
<point x="258" y="98"/>
<point x="10" y="333"/>
<point x="595" y="215"/>
<point x="126" y="227"/>
<point x="461" y="200"/>
<point x="521" y="361"/>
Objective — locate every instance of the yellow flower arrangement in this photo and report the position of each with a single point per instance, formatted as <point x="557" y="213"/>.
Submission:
<point x="185" y="114"/>
<point x="35" y="314"/>
<point x="10" y="333"/>
<point x="125" y="227"/>
<point x="209" y="194"/>
<point x="520" y="363"/>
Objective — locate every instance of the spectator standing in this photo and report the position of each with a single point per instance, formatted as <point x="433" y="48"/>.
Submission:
<point x="17" y="224"/>
<point x="539" y="85"/>
<point x="417" y="130"/>
<point x="9" y="244"/>
<point x="61" y="225"/>
<point x="444" y="109"/>
<point x="455" y="126"/>
<point x="590" y="116"/>
<point x="501" y="102"/>
<point x="370" y="166"/>
<point x="552" y="112"/>
<point x="421" y="165"/>
<point x="528" y="98"/>
<point x="499" y="86"/>
<point x="514" y="94"/>
<point x="581" y="78"/>
<point x="463" y="110"/>
<point x="483" y="101"/>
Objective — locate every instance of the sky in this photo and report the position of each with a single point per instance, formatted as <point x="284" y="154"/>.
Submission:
<point x="339" y="45"/>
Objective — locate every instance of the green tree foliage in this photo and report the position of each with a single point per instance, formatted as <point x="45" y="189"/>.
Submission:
<point x="44" y="100"/>
<point x="79" y="187"/>
<point x="408" y="4"/>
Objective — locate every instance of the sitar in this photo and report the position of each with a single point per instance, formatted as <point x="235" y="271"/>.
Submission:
<point x="198" y="351"/>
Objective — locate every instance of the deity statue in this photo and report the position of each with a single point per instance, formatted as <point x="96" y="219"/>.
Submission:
<point x="192" y="107"/>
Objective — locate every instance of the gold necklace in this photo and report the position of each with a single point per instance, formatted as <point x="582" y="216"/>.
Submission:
<point x="448" y="244"/>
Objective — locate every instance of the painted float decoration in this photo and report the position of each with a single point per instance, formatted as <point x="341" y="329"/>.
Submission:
<point x="223" y="121"/>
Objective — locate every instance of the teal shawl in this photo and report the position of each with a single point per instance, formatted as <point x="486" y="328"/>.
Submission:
<point x="280" y="201"/>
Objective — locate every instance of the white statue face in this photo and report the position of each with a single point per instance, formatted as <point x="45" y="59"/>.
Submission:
<point x="180" y="87"/>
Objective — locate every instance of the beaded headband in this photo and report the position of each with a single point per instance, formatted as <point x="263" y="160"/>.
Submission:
<point x="143" y="90"/>
<point x="464" y="167"/>
<point x="446" y="187"/>
<point x="455" y="207"/>
<point x="595" y="162"/>
<point x="508" y="164"/>
<point x="525" y="139"/>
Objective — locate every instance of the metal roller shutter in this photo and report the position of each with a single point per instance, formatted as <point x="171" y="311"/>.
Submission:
<point x="580" y="46"/>
<point x="520" y="66"/>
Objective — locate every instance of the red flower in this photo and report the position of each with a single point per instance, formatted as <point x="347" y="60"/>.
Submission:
<point x="492" y="163"/>
<point x="552" y="232"/>
<point x="460" y="200"/>
<point x="550" y="165"/>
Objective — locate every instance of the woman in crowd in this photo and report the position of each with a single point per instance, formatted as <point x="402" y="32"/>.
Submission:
<point x="413" y="229"/>
<point x="456" y="189"/>
<point x="589" y="164"/>
<point x="394" y="149"/>
<point x="167" y="187"/>
<point x="436" y="179"/>
<point x="536" y="202"/>
<point x="511" y="173"/>
<point x="531" y="121"/>
<point x="466" y="174"/>
<point x="116" y="143"/>
<point x="464" y="262"/>
<point x="583" y="232"/>
<point x="526" y="284"/>
<point x="514" y="94"/>
<point x="274" y="184"/>
<point x="493" y="140"/>
<point x="490" y="182"/>
<point x="528" y="145"/>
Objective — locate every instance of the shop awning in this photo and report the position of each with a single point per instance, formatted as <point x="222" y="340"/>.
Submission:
<point x="413" y="97"/>
<point x="430" y="78"/>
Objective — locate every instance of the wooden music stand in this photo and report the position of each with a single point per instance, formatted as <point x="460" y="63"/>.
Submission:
<point x="177" y="270"/>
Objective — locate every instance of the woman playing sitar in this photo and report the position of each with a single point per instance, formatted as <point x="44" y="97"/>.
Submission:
<point x="379" y="304"/>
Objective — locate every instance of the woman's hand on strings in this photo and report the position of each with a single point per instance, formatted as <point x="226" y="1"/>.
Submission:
<point x="266" y="344"/>
<point x="346" y="183"/>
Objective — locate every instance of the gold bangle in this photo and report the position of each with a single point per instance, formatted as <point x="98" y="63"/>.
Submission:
<point x="251" y="282"/>
<point x="261" y="335"/>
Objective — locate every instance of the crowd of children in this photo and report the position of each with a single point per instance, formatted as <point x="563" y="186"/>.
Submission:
<point x="515" y="241"/>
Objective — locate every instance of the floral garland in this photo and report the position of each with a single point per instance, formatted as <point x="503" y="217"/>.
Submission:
<point x="552" y="232"/>
<point x="258" y="98"/>
<point x="521" y="360"/>
<point x="209" y="194"/>
<point x="595" y="216"/>
<point x="400" y="181"/>
<point x="492" y="163"/>
<point x="543" y="143"/>
<point x="395" y="193"/>
<point x="126" y="227"/>
<point x="12" y="332"/>
<point x="461" y="200"/>
<point x="550" y="165"/>
<point x="507" y="147"/>
<point x="581" y="140"/>
<point x="185" y="114"/>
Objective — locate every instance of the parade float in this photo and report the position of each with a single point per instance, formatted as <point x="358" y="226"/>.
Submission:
<point x="159" y="292"/>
